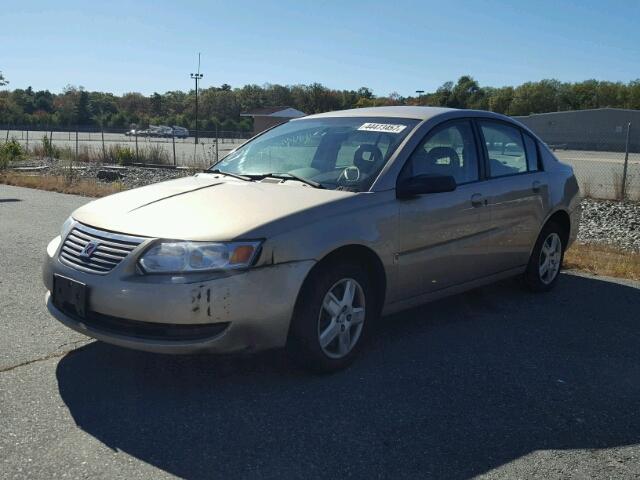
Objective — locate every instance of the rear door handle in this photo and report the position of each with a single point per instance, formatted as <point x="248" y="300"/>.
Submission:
<point x="477" y="200"/>
<point x="536" y="185"/>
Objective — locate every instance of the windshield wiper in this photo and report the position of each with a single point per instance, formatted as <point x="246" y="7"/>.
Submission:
<point x="234" y="175"/>
<point x="287" y="175"/>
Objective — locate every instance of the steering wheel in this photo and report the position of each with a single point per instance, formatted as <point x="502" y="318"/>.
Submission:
<point x="349" y="175"/>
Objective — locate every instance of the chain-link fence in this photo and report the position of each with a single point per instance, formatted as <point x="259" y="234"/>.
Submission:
<point x="127" y="146"/>
<point x="606" y="164"/>
<point x="606" y="161"/>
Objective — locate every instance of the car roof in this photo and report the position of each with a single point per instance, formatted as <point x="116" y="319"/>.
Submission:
<point x="418" y="113"/>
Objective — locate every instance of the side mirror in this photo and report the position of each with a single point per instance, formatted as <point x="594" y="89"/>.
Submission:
<point x="421" y="184"/>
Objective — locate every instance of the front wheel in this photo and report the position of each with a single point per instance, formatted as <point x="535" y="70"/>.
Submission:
<point x="330" y="318"/>
<point x="544" y="265"/>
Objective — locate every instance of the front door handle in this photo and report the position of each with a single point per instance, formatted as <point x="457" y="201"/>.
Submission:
<point x="536" y="185"/>
<point x="477" y="200"/>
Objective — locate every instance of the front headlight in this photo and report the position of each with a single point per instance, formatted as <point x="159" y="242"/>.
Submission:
<point x="184" y="257"/>
<point x="66" y="227"/>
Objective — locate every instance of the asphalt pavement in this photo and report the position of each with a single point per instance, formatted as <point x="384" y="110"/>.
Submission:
<point x="495" y="383"/>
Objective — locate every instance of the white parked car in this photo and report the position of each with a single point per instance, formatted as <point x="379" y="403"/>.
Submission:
<point x="180" y="132"/>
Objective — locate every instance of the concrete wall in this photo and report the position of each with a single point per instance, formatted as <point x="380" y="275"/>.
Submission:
<point x="602" y="129"/>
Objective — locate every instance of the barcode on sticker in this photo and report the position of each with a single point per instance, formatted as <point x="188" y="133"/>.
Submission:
<point x="382" y="127"/>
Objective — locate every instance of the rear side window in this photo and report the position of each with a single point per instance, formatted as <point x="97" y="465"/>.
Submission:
<point x="532" y="153"/>
<point x="505" y="148"/>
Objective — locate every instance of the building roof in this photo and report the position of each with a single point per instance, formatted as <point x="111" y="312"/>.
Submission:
<point x="419" y="113"/>
<point x="575" y="112"/>
<point x="278" y="112"/>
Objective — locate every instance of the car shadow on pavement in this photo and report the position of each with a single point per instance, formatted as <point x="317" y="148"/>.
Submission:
<point x="448" y="390"/>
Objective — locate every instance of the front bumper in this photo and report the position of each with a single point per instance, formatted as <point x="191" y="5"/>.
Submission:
<point x="253" y="308"/>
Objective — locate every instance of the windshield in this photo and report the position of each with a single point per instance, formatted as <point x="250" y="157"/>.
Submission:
<point x="343" y="153"/>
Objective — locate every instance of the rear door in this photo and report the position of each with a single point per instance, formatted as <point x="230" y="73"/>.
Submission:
<point x="443" y="236"/>
<point x="518" y="192"/>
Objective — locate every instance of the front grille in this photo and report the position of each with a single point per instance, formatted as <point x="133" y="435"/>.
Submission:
<point x="111" y="249"/>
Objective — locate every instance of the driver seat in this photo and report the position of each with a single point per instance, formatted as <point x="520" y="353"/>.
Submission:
<point x="373" y="160"/>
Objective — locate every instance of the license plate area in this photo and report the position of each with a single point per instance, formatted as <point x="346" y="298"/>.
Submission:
<point x="70" y="295"/>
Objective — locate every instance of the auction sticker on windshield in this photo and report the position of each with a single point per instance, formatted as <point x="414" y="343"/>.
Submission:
<point x="382" y="127"/>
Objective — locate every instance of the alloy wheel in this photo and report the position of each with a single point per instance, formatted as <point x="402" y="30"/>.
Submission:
<point x="550" y="258"/>
<point x="341" y="318"/>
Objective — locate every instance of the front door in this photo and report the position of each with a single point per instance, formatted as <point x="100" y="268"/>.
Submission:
<point x="443" y="237"/>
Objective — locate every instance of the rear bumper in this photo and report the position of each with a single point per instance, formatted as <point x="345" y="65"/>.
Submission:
<point x="575" y="215"/>
<point x="244" y="311"/>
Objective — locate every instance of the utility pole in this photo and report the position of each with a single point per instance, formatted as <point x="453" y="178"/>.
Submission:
<point x="197" y="77"/>
<point x="419" y="92"/>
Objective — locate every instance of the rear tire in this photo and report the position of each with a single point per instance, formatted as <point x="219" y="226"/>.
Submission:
<point x="332" y="314"/>
<point x="544" y="265"/>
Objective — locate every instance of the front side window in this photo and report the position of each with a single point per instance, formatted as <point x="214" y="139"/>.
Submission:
<point x="505" y="149"/>
<point x="449" y="150"/>
<point x="344" y="153"/>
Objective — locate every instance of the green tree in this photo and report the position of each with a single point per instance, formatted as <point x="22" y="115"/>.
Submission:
<point x="442" y="95"/>
<point x="634" y="94"/>
<point x="535" y="97"/>
<point x="500" y="99"/>
<point x="277" y="95"/>
<point x="364" y="92"/>
<point x="83" y="114"/>
<point x="229" y="125"/>
<point x="250" y="97"/>
<point x="43" y="101"/>
<point x="156" y="102"/>
<point x="465" y="94"/>
<point x="218" y="104"/>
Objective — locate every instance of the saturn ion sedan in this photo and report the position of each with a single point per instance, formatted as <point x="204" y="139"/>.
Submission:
<point x="305" y="234"/>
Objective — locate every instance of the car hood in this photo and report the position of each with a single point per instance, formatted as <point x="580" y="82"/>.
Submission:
<point x="204" y="207"/>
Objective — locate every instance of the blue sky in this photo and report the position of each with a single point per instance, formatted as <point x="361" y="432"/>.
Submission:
<point x="388" y="45"/>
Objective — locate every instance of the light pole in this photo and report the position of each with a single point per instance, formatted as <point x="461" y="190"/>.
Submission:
<point x="197" y="77"/>
<point x="419" y="92"/>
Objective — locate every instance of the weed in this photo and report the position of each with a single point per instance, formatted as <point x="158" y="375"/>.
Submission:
<point x="603" y="260"/>
<point x="62" y="184"/>
<point x="156" y="154"/>
<point x="10" y="151"/>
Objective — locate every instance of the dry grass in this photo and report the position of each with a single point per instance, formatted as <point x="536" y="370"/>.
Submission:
<point x="603" y="260"/>
<point x="61" y="184"/>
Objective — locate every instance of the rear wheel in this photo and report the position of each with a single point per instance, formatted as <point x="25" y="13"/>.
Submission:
<point x="544" y="265"/>
<point x="330" y="318"/>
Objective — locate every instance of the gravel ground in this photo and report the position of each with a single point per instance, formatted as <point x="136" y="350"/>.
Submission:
<point x="131" y="177"/>
<point x="603" y="221"/>
<point x="611" y="223"/>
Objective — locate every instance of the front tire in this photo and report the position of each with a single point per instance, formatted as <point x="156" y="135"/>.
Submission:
<point x="544" y="265"/>
<point x="331" y="317"/>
